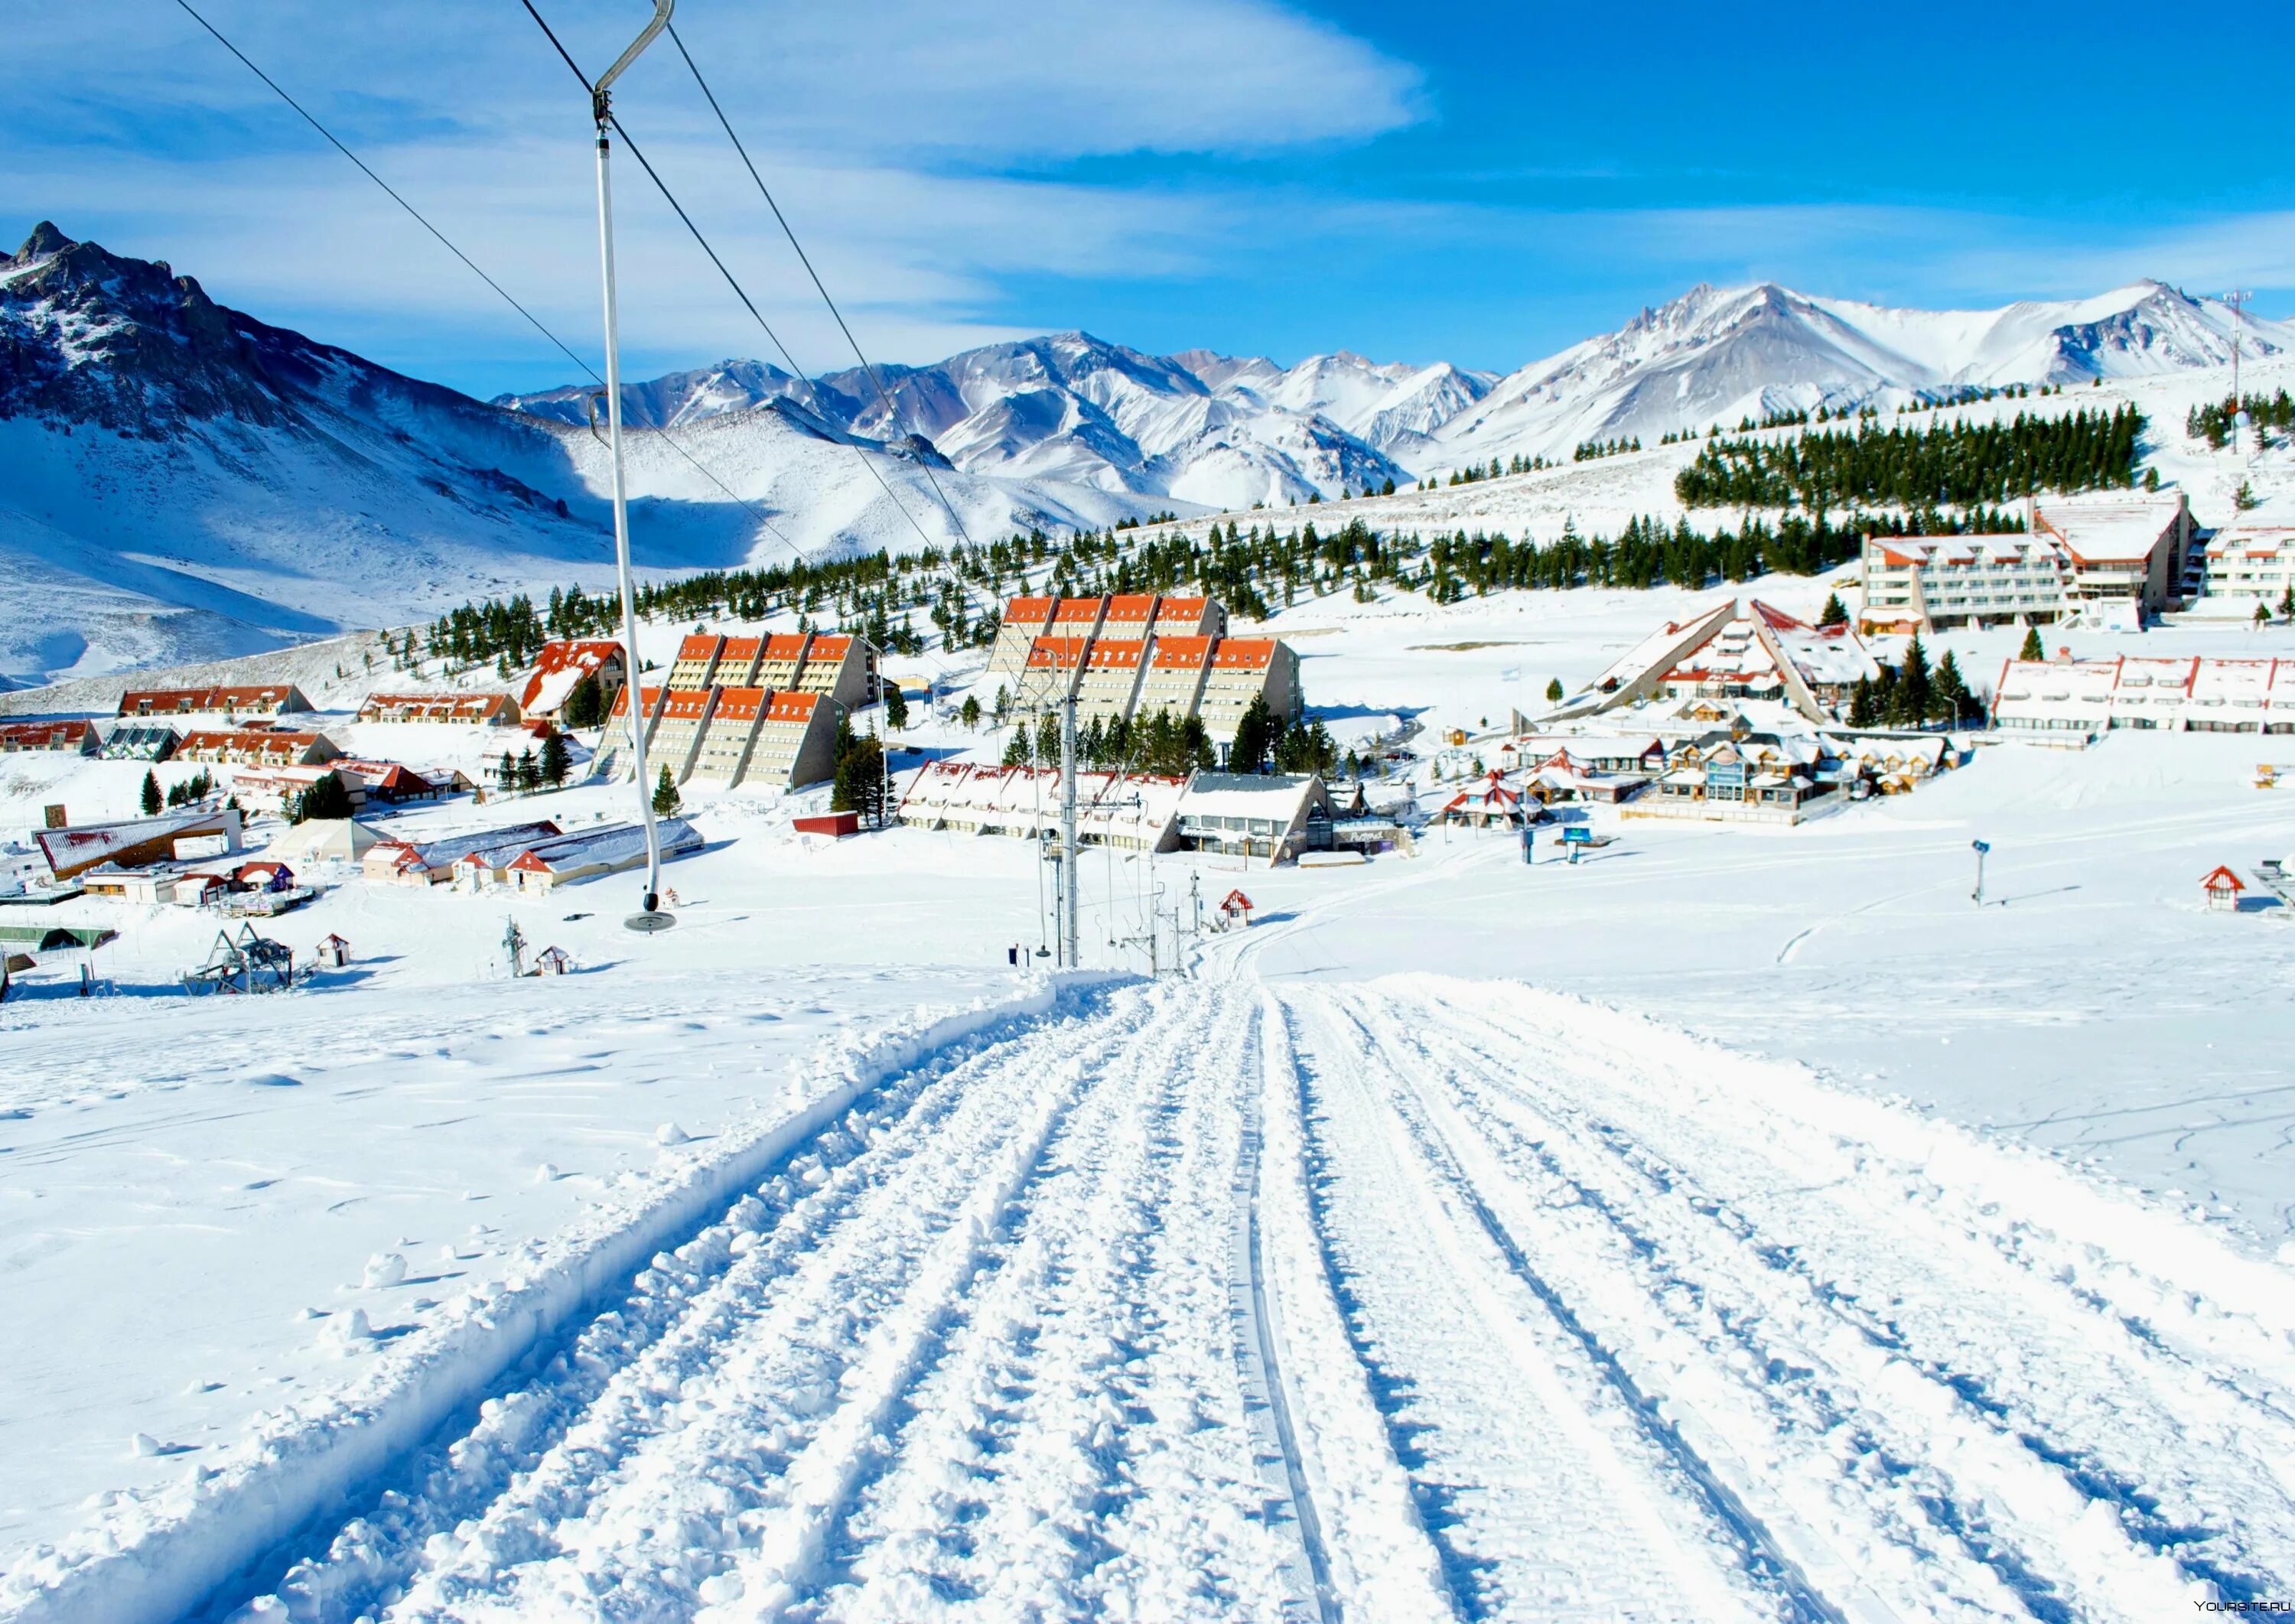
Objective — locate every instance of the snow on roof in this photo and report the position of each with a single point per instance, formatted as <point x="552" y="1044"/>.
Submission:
<point x="2259" y="541"/>
<point x="1907" y="551"/>
<point x="40" y="735"/>
<point x="562" y="665"/>
<point x="1176" y="653"/>
<point x="1248" y="795"/>
<point x="1120" y="655"/>
<point x="2221" y="878"/>
<point x="614" y="844"/>
<point x="2110" y="528"/>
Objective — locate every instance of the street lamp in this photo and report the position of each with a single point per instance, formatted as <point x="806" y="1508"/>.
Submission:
<point x="1980" y="847"/>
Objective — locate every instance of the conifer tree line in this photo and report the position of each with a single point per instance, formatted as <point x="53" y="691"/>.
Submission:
<point x="1953" y="464"/>
<point x="2212" y="422"/>
<point x="1910" y="695"/>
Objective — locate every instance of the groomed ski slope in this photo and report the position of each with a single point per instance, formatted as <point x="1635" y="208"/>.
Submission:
<point x="1413" y="1298"/>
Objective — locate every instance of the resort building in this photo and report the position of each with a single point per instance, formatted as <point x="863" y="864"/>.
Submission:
<point x="560" y="668"/>
<point x="256" y="747"/>
<point x="73" y="737"/>
<point x="466" y="710"/>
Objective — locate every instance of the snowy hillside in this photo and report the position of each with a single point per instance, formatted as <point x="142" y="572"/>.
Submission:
<point x="1716" y="355"/>
<point x="188" y="483"/>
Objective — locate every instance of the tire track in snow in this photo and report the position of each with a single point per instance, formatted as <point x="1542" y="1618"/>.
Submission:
<point x="484" y="1500"/>
<point x="1547" y="1499"/>
<point x="1975" y="1390"/>
<point x="1082" y="1452"/>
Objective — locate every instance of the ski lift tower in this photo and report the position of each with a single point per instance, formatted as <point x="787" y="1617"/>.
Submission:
<point x="2236" y="298"/>
<point x="649" y="917"/>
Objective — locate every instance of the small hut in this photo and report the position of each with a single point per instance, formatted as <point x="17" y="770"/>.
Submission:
<point x="2223" y="888"/>
<point x="1234" y="911"/>
<point x="333" y="952"/>
<point x="554" y="961"/>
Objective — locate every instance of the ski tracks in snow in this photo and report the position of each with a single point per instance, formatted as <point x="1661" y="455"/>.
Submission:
<point x="1419" y="1299"/>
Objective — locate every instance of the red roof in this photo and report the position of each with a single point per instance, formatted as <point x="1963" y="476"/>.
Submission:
<point x="647" y="696"/>
<point x="39" y="735"/>
<point x="688" y="704"/>
<point x="1060" y="652"/>
<point x="2222" y="879"/>
<point x="699" y="646"/>
<point x="1177" y="651"/>
<point x="1244" y="653"/>
<point x="792" y="707"/>
<point x="826" y="647"/>
<point x="1236" y="899"/>
<point x="742" y="649"/>
<point x="785" y="645"/>
<point x="1133" y="607"/>
<point x="1078" y="609"/>
<point x="586" y="656"/>
<point x="1028" y="611"/>
<point x="1182" y="608"/>
<point x="742" y="704"/>
<point x="1117" y="655"/>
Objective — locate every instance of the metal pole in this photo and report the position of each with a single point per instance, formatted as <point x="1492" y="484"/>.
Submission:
<point x="1068" y="827"/>
<point x="649" y="917"/>
<point x="1981" y="847"/>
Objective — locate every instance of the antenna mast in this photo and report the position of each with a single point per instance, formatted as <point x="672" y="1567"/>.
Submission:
<point x="649" y="917"/>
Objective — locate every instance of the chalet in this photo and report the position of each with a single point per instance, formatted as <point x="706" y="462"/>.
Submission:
<point x="677" y="734"/>
<point x="75" y="738"/>
<point x="779" y="661"/>
<point x="257" y="748"/>
<point x="1242" y="669"/>
<point x="2081" y="700"/>
<point x="394" y="784"/>
<point x="1916" y="586"/>
<point x="149" y="886"/>
<point x="275" y="789"/>
<point x="226" y="701"/>
<point x="459" y="709"/>
<point x="1173" y="680"/>
<point x="1742" y="648"/>
<point x="1190" y="617"/>
<point x="795" y="742"/>
<point x="722" y="753"/>
<point x="2223" y="888"/>
<point x="1054" y="666"/>
<point x="1490" y="802"/>
<point x="1129" y="618"/>
<point x="2252" y="561"/>
<point x="137" y="843"/>
<point x="1252" y="814"/>
<point x="2121" y="547"/>
<point x="588" y="853"/>
<point x="738" y="661"/>
<point x="1110" y="680"/>
<point x="432" y="862"/>
<point x="697" y="660"/>
<point x="560" y="668"/>
<point x="1129" y="812"/>
<point x="1025" y="619"/>
<point x="139" y="741"/>
<point x="843" y="669"/>
<point x="1566" y="776"/>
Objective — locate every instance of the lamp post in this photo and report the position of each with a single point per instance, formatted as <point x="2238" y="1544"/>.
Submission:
<point x="1980" y="847"/>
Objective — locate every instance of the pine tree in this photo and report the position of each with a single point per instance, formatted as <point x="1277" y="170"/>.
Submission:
<point x="2033" y="649"/>
<point x="970" y="713"/>
<point x="1953" y="702"/>
<point x="1256" y="734"/>
<point x="1860" y="704"/>
<point x="151" y="801"/>
<point x="665" y="798"/>
<point x="897" y="707"/>
<point x="1834" y="614"/>
<point x="585" y="705"/>
<point x="860" y="783"/>
<point x="1915" y="690"/>
<point x="556" y="764"/>
<point x="1554" y="690"/>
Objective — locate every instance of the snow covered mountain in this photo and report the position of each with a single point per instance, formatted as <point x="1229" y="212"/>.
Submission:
<point x="187" y="483"/>
<point x="1721" y="354"/>
<point x="1198" y="429"/>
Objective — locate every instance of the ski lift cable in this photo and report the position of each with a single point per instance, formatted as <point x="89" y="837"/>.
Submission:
<point x="869" y="367"/>
<point x="731" y="282"/>
<point x="445" y="241"/>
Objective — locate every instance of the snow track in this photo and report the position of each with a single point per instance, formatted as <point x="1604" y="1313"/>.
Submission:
<point x="1417" y="1300"/>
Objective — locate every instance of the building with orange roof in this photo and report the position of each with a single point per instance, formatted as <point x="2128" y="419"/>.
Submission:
<point x="1054" y="665"/>
<point x="722" y="755"/>
<point x="1109" y="683"/>
<point x="737" y="662"/>
<point x="676" y="736"/>
<point x="1173" y="680"/>
<point x="1025" y="619"/>
<point x="650" y="701"/>
<point x="841" y="667"/>
<point x="246" y="700"/>
<point x="74" y="737"/>
<point x="795" y="742"/>
<point x="1242" y="669"/>
<point x="467" y="709"/>
<point x="780" y="660"/>
<point x="697" y="660"/>
<point x="561" y="667"/>
<point x="1190" y="617"/>
<point x="1129" y="618"/>
<point x="256" y="748"/>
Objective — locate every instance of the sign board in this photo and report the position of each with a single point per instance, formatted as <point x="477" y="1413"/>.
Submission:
<point x="1578" y="834"/>
<point x="55" y="816"/>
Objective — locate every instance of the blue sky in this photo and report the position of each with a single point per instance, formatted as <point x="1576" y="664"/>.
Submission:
<point x="1481" y="183"/>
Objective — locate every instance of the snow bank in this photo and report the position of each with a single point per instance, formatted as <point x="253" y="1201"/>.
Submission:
<point x="156" y="1557"/>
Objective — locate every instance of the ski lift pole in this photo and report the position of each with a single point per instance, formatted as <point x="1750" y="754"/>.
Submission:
<point x="650" y="918"/>
<point x="1980" y="847"/>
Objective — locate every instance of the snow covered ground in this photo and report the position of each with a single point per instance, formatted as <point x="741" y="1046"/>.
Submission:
<point x="1800" y="1241"/>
